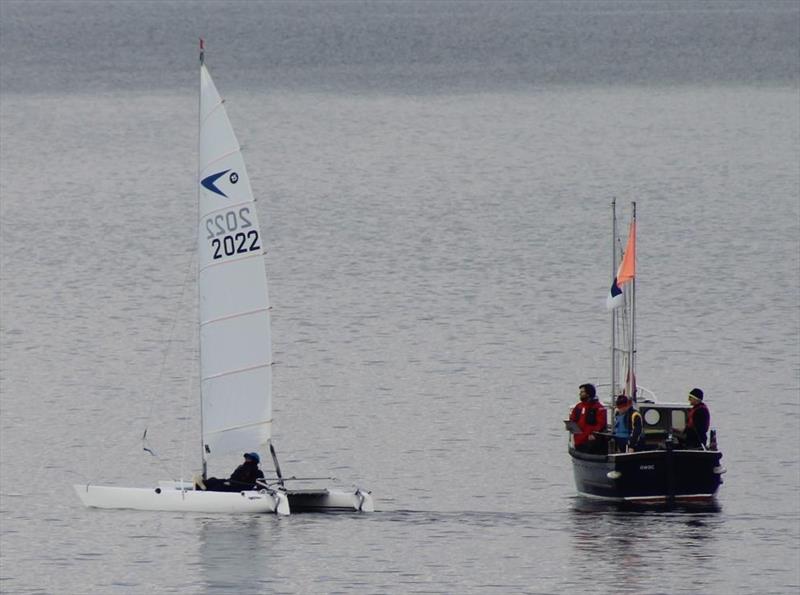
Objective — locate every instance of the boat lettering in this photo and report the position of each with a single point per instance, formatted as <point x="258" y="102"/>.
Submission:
<point x="233" y="220"/>
<point x="239" y="243"/>
<point x="647" y="467"/>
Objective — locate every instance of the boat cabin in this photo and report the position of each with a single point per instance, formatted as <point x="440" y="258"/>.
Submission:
<point x="660" y="418"/>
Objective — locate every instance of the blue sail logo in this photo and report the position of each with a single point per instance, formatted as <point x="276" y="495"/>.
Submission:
<point x="209" y="182"/>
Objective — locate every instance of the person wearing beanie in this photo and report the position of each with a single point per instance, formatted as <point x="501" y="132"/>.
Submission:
<point x="697" y="421"/>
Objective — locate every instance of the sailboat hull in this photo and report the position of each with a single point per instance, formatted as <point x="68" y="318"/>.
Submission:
<point x="178" y="500"/>
<point x="327" y="500"/>
<point x="654" y="476"/>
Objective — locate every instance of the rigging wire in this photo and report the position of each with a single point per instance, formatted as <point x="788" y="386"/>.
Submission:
<point x="189" y="399"/>
<point x="158" y="391"/>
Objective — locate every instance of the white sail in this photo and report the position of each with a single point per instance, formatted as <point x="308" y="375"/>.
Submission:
<point x="235" y="342"/>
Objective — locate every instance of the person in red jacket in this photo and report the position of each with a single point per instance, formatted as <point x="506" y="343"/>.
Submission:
<point x="697" y="421"/>
<point x="591" y="417"/>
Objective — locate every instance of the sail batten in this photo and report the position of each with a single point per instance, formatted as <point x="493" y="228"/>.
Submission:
<point x="237" y="371"/>
<point x="244" y="426"/>
<point x="213" y="109"/>
<point x="234" y="321"/>
<point x="213" y="264"/>
<point x="235" y="315"/>
<point x="221" y="157"/>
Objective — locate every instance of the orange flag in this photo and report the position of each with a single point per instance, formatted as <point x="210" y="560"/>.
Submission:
<point x="627" y="268"/>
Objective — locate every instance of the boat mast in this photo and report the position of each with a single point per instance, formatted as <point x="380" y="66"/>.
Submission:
<point x="200" y="343"/>
<point x="614" y="311"/>
<point x="631" y="381"/>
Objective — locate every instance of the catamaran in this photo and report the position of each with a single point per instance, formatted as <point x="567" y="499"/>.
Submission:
<point x="235" y="343"/>
<point x="663" y="470"/>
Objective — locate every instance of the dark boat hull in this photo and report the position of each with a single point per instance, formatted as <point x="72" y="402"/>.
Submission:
<point x="652" y="476"/>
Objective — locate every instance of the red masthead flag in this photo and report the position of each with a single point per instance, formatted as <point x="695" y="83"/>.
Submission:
<point x="625" y="273"/>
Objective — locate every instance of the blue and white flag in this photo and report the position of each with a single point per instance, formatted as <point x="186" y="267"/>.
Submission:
<point x="615" y="297"/>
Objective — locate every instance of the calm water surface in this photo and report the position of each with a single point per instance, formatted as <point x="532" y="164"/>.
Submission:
<point x="435" y="186"/>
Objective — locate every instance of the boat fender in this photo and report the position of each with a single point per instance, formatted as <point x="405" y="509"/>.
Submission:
<point x="719" y="470"/>
<point x="613" y="474"/>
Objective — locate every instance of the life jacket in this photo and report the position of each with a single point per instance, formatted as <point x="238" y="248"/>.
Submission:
<point x="693" y="432"/>
<point x="690" y="423"/>
<point x="624" y="426"/>
<point x="590" y="417"/>
<point x="634" y="418"/>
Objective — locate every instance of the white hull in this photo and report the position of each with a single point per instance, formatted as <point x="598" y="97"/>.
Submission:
<point x="311" y="499"/>
<point x="164" y="498"/>
<point x="327" y="500"/>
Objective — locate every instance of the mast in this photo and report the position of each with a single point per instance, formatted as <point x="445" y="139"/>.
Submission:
<point x="197" y="183"/>
<point x="631" y="381"/>
<point x="614" y="311"/>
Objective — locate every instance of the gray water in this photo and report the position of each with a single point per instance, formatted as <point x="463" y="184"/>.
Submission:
<point x="435" y="181"/>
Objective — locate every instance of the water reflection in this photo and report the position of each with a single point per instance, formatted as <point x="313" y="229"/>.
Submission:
<point x="590" y="505"/>
<point x="631" y="540"/>
<point x="235" y="551"/>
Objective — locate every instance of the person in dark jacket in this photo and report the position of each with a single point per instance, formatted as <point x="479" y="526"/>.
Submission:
<point x="591" y="417"/>
<point x="697" y="421"/>
<point x="244" y="477"/>
<point x="628" y="426"/>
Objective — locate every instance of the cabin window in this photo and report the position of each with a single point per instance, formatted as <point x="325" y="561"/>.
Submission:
<point x="652" y="417"/>
<point x="679" y="419"/>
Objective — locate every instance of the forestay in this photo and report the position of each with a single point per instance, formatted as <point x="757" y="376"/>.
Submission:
<point x="235" y="342"/>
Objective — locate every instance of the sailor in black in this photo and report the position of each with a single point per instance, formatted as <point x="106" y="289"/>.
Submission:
<point x="244" y="477"/>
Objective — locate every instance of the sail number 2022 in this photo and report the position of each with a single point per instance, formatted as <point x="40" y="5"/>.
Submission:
<point x="232" y="233"/>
